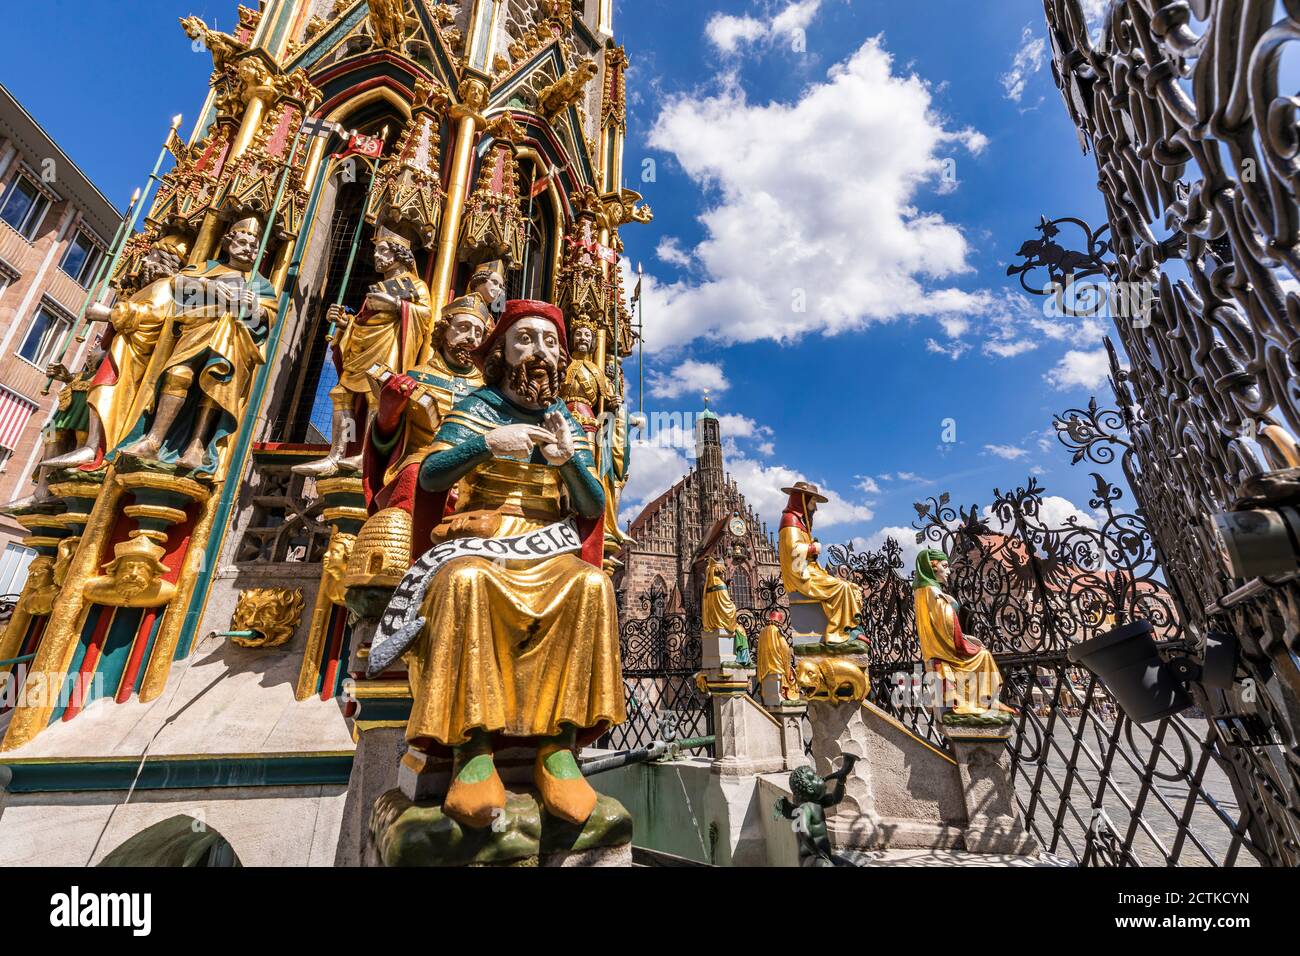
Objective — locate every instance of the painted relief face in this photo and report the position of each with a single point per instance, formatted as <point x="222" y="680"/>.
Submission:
<point x="133" y="576"/>
<point x="584" y="340"/>
<point x="940" y="569"/>
<point x="532" y="355"/>
<point x="491" y="290"/>
<point x="384" y="257"/>
<point x="241" y="247"/>
<point x="41" y="573"/>
<point x="465" y="332"/>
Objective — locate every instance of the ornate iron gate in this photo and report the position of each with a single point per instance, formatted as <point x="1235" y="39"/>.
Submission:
<point x="1195" y="145"/>
<point x="661" y="655"/>
<point x="1092" y="785"/>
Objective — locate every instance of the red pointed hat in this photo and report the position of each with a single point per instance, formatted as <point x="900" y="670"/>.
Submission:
<point x="517" y="309"/>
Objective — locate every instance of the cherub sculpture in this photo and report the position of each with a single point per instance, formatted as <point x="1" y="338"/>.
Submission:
<point x="809" y="812"/>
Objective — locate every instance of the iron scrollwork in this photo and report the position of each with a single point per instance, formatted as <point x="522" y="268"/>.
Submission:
<point x="1196" y="151"/>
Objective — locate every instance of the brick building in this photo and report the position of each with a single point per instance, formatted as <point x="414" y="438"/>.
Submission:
<point x="55" y="229"/>
<point x="703" y="515"/>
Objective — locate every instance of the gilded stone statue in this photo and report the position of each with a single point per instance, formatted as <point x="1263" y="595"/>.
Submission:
<point x="335" y="565"/>
<point x="585" y="388"/>
<point x="516" y="651"/>
<point x="68" y="428"/>
<point x="389" y="332"/>
<point x="840" y="600"/>
<point x="775" y="659"/>
<point x="191" y="401"/>
<point x="135" y="327"/>
<point x="412" y="406"/>
<point x="969" y="677"/>
<point x="718" y="610"/>
<point x="134" y="578"/>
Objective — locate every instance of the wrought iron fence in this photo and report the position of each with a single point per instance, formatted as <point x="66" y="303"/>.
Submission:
<point x="1092" y="785"/>
<point x="1195" y="144"/>
<point x="661" y="655"/>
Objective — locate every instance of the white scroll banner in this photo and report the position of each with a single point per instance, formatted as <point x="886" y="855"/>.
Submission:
<point x="401" y="621"/>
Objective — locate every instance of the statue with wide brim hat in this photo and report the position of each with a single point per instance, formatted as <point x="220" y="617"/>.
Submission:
<point x="840" y="599"/>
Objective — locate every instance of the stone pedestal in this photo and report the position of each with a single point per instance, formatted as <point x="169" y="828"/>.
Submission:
<point x="417" y="833"/>
<point x="790" y="715"/>
<point x="748" y="740"/>
<point x="718" y="650"/>
<point x="993" y="824"/>
<point x="905" y="793"/>
<point x="769" y="689"/>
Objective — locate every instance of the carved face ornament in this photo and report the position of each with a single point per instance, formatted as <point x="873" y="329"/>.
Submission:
<point x="532" y="354"/>
<point x="133" y="575"/>
<point x="384" y="257"/>
<point x="464" y="334"/>
<point x="584" y="340"/>
<point x="241" y="248"/>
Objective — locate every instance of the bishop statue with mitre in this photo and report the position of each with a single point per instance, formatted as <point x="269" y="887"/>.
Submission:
<point x="516" y="638"/>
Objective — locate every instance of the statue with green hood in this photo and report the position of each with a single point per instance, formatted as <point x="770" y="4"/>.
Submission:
<point x="968" y="676"/>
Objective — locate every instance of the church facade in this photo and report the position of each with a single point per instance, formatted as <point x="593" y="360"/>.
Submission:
<point x="702" y="516"/>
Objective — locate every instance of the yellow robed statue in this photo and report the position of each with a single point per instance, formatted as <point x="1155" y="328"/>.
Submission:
<point x="719" y="610"/>
<point x="193" y="393"/>
<point x="801" y="575"/>
<point x="390" y="332"/>
<point x="136" y="326"/>
<point x="514" y="650"/>
<point x="970" y="678"/>
<point x="775" y="659"/>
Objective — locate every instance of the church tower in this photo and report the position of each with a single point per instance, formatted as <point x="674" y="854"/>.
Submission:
<point x="708" y="457"/>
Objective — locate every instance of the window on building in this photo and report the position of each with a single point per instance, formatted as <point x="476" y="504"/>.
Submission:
<point x="13" y="568"/>
<point x="24" y="207"/>
<point x="741" y="593"/>
<point x="82" y="259"/>
<point x="15" y="412"/>
<point x="44" y="337"/>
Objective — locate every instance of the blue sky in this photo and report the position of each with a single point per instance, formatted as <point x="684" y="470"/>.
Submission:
<point x="789" y="168"/>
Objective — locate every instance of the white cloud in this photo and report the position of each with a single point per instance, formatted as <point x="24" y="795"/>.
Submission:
<point x="670" y="251"/>
<point x="1055" y="512"/>
<point x="1009" y="452"/>
<point x="1029" y="59"/>
<point x="761" y="485"/>
<point x="727" y="32"/>
<point x="689" y="377"/>
<point x="954" y="350"/>
<point x="656" y="466"/>
<point x="1079" y="370"/>
<point x="730" y="33"/>
<point x="1093" y="10"/>
<point x="868" y="485"/>
<point x="835" y="228"/>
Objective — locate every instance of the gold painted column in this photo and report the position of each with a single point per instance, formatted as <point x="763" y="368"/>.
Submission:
<point x="59" y="643"/>
<point x="468" y="114"/>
